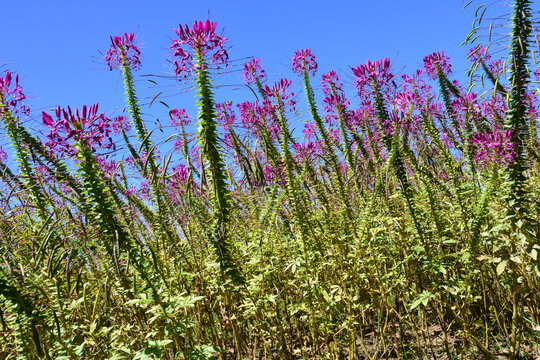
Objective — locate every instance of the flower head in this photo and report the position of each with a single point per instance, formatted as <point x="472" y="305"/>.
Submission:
<point x="120" y="124"/>
<point x="179" y="117"/>
<point x="253" y="72"/>
<point x="304" y="60"/>
<point x="330" y="83"/>
<point x="495" y="147"/>
<point x="279" y="91"/>
<point x="11" y="94"/>
<point x="479" y="53"/>
<point x="437" y="62"/>
<point x="377" y="72"/>
<point x="123" y="52"/>
<point x="309" y="131"/>
<point x="3" y="155"/>
<point x="87" y="126"/>
<point x="306" y="152"/>
<point x="199" y="40"/>
<point x="179" y="177"/>
<point x="225" y="113"/>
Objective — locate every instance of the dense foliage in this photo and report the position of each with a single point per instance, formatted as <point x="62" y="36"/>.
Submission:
<point x="402" y="223"/>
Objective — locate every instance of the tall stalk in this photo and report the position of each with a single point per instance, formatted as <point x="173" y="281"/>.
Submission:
<point x="216" y="172"/>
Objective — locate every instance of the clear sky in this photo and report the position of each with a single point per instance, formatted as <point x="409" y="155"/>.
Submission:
<point x="55" y="45"/>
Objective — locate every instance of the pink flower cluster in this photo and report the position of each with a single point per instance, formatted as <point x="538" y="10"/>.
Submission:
<point x="304" y="60"/>
<point x="199" y="40"/>
<point x="3" y="155"/>
<point x="225" y="114"/>
<point x="306" y="152"/>
<point x="437" y="62"/>
<point x="279" y="91"/>
<point x="495" y="147"/>
<point x="479" y="52"/>
<point x="376" y="72"/>
<point x="179" y="117"/>
<point x="253" y="72"/>
<point x="119" y="124"/>
<point x="252" y="116"/>
<point x="11" y="94"/>
<point x="87" y="126"/>
<point x="179" y="178"/>
<point x="123" y="52"/>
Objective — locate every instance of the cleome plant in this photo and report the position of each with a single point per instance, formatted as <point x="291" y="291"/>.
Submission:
<point x="403" y="222"/>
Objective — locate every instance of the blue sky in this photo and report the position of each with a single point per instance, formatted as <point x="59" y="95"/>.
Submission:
<point x="55" y="45"/>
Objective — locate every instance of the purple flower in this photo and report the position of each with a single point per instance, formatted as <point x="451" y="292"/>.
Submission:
<point x="437" y="62"/>
<point x="109" y="167"/>
<point x="123" y="52"/>
<point x="304" y="60"/>
<point x="120" y="124"/>
<point x="87" y="126"/>
<point x="306" y="152"/>
<point x="404" y="100"/>
<point x="225" y="114"/>
<point x="330" y="83"/>
<point x="195" y="153"/>
<point x="199" y="40"/>
<point x="179" y="178"/>
<point x="11" y="94"/>
<point x="494" y="148"/>
<point x="179" y="117"/>
<point x="279" y="91"/>
<point x="467" y="102"/>
<point x="274" y="174"/>
<point x="376" y="72"/>
<point x="496" y="67"/>
<point x="253" y="72"/>
<point x="309" y="131"/>
<point x="479" y="52"/>
<point x="249" y="115"/>
<point x="3" y="155"/>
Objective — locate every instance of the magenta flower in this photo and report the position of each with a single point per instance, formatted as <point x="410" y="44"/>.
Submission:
<point x="304" y="60"/>
<point x="11" y="94"/>
<point x="179" y="117"/>
<point x="279" y="92"/>
<point x="179" y="178"/>
<point x="377" y="72"/>
<point x="253" y="72"/>
<point x="404" y="100"/>
<point x="494" y="148"/>
<point x="109" y="167"/>
<point x="437" y="62"/>
<point x="335" y="102"/>
<point x="3" y="155"/>
<point x="274" y="174"/>
<point x="279" y="89"/>
<point x="225" y="114"/>
<point x="200" y="40"/>
<point x="309" y="131"/>
<point x="330" y="83"/>
<point x="306" y="152"/>
<point x="87" y="126"/>
<point x="479" y="52"/>
<point x="123" y="52"/>
<point x="249" y="115"/>
<point x="467" y="103"/>
<point x="120" y="124"/>
<point x="496" y="67"/>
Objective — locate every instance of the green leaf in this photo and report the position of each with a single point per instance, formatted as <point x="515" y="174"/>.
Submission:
<point x="501" y="266"/>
